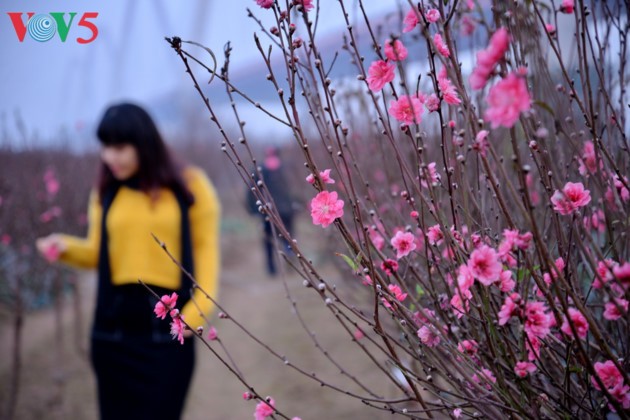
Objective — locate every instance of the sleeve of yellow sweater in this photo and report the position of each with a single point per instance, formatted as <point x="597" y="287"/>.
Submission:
<point x="204" y="229"/>
<point x="83" y="252"/>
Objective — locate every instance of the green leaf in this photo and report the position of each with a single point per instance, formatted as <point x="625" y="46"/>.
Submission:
<point x="419" y="291"/>
<point x="546" y="107"/>
<point x="348" y="261"/>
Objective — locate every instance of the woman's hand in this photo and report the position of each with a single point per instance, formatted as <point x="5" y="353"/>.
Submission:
<point x="50" y="247"/>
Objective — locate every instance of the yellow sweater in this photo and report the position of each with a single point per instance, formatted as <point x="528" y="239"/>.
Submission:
<point x="133" y="252"/>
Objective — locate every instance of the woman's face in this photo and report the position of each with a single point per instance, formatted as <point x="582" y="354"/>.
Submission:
<point x="121" y="159"/>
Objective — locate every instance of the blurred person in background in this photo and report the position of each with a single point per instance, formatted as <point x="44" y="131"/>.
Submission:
<point x="141" y="371"/>
<point x="277" y="184"/>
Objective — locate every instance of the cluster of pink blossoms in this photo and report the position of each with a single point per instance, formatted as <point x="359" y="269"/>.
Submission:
<point x="615" y="277"/>
<point x="166" y="305"/>
<point x="411" y="18"/>
<point x="613" y="382"/>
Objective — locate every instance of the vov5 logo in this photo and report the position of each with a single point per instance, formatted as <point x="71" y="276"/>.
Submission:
<point x="43" y="27"/>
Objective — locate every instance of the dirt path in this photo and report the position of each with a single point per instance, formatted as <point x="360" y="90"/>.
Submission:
<point x="62" y="386"/>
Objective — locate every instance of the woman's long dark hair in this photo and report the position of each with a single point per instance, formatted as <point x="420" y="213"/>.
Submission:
<point x="128" y="123"/>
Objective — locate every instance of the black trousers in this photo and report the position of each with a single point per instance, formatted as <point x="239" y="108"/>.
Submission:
<point x="141" y="372"/>
<point x="268" y="240"/>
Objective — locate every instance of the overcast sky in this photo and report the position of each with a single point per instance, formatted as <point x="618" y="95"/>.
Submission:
<point x="53" y="84"/>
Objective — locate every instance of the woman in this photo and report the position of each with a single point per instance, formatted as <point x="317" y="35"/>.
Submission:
<point x="141" y="371"/>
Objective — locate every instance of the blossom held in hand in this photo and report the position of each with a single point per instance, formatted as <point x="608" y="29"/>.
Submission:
<point x="506" y="100"/>
<point x="52" y="253"/>
<point x="325" y="208"/>
<point x="165" y="305"/>
<point x="572" y="197"/>
<point x="380" y="73"/>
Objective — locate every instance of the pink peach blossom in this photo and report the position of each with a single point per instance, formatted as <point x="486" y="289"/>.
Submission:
<point x="428" y="336"/>
<point x="611" y="312"/>
<point x="407" y="109"/>
<point x="432" y="15"/>
<point x="507" y="281"/>
<point x="579" y="322"/>
<point x="449" y="94"/>
<point x="410" y="20"/>
<point x="588" y="161"/>
<point x="537" y="321"/>
<point x="389" y="266"/>
<point x="404" y="243"/>
<point x="395" y="50"/>
<point x="177" y="328"/>
<point x="435" y="235"/>
<point x="377" y="240"/>
<point x="432" y="103"/>
<point x="467" y="25"/>
<point x="522" y="369"/>
<point x="265" y="409"/>
<point x="468" y="347"/>
<point x="265" y="4"/>
<point x="306" y="4"/>
<point x="380" y="73"/>
<point x="325" y="208"/>
<point x="465" y="278"/>
<point x="310" y="179"/>
<point x="506" y="101"/>
<point x="325" y="176"/>
<point x="488" y="59"/>
<point x="484" y="265"/>
<point x="212" y="333"/>
<point x="571" y="198"/>
<point x="441" y="47"/>
<point x="481" y="142"/>
<point x="165" y="305"/>
<point x="509" y="308"/>
<point x="608" y="373"/>
<point x="485" y="376"/>
<point x="397" y="292"/>
<point x="567" y="6"/>
<point x="621" y="274"/>
<point x="461" y="305"/>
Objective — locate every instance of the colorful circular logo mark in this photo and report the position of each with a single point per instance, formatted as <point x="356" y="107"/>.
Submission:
<point x="42" y="27"/>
